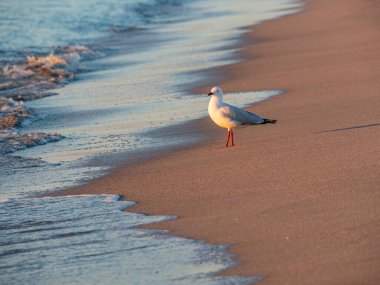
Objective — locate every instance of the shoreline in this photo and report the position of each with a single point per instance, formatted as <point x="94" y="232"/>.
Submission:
<point x="302" y="209"/>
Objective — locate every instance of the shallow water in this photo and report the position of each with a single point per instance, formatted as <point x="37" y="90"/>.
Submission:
<point x="90" y="240"/>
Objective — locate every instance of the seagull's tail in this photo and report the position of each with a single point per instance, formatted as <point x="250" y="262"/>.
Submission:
<point x="269" y="121"/>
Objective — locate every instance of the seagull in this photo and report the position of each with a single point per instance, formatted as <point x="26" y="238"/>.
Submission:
<point x="229" y="117"/>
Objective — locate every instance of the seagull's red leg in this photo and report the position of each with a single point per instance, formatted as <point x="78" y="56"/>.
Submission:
<point x="228" y="137"/>
<point x="232" y="136"/>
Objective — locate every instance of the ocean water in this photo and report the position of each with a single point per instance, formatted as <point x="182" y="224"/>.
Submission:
<point x="90" y="240"/>
<point x="82" y="82"/>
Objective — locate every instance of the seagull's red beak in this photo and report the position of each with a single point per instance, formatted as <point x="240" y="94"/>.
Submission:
<point x="210" y="93"/>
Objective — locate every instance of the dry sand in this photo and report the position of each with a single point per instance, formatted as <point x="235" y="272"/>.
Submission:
<point x="299" y="201"/>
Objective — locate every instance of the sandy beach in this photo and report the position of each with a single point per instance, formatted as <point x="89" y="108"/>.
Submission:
<point x="297" y="202"/>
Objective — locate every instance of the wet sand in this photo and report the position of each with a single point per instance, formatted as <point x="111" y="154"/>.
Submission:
<point x="297" y="201"/>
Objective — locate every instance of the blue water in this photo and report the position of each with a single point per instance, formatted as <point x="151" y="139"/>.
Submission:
<point x="83" y="82"/>
<point x="39" y="25"/>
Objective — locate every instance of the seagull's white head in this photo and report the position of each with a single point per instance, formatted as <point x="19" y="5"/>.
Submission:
<point x="216" y="91"/>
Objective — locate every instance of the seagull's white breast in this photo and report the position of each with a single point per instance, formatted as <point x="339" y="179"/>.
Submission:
<point x="215" y="110"/>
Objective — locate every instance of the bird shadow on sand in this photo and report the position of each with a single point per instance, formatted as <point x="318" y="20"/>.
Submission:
<point x="351" y="128"/>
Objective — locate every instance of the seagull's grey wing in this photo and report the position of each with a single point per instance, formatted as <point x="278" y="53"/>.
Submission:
<point x="239" y="115"/>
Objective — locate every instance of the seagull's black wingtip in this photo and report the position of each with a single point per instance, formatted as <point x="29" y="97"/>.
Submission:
<point x="269" y="121"/>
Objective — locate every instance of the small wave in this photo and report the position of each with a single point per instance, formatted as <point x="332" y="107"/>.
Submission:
<point x="108" y="198"/>
<point x="49" y="60"/>
<point x="91" y="240"/>
<point x="12" y="113"/>
<point x="11" y="140"/>
<point x="29" y="78"/>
